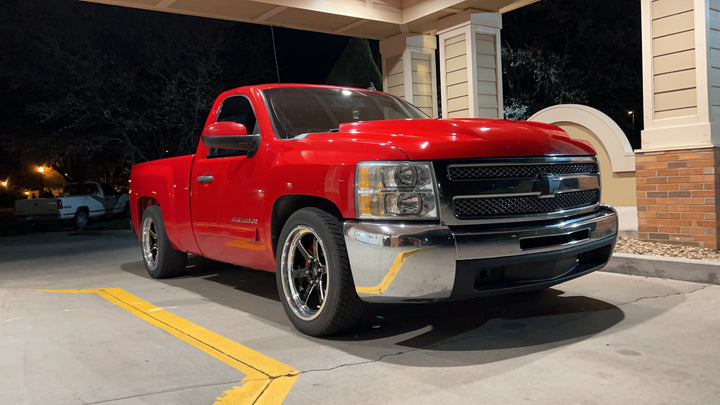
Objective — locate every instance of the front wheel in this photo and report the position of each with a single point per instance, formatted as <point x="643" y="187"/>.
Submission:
<point x="313" y="274"/>
<point x="160" y="258"/>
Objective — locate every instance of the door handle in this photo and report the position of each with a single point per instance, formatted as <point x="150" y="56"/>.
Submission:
<point x="205" y="179"/>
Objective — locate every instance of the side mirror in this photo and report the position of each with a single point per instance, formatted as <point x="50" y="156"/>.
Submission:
<point x="225" y="128"/>
<point x="230" y="135"/>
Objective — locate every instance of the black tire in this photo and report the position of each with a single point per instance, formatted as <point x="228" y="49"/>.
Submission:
<point x="313" y="274"/>
<point x="161" y="260"/>
<point x="81" y="219"/>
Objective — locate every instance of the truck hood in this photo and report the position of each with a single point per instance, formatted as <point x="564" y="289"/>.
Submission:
<point x="432" y="139"/>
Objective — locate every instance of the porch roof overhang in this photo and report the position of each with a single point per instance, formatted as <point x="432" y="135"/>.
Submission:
<point x="373" y="19"/>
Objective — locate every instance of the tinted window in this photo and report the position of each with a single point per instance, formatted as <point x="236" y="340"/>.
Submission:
<point x="296" y="110"/>
<point x="236" y="109"/>
<point x="80" y="189"/>
<point x="107" y="190"/>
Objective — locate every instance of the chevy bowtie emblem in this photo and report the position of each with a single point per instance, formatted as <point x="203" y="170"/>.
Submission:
<point x="546" y="185"/>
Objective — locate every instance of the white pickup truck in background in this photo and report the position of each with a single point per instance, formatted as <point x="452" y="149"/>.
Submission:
<point x="79" y="202"/>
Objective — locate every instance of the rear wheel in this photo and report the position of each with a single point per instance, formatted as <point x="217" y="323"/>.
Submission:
<point x="160" y="258"/>
<point x="313" y="274"/>
<point x="81" y="219"/>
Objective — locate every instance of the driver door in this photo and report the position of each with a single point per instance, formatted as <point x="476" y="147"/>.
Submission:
<point x="226" y="196"/>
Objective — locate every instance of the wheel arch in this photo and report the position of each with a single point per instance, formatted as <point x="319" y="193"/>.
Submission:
<point x="286" y="205"/>
<point x="78" y="221"/>
<point x="141" y="204"/>
<point x="159" y="256"/>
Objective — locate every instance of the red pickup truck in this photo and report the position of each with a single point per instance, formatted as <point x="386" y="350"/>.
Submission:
<point x="354" y="196"/>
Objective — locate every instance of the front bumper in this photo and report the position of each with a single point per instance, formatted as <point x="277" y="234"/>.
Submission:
<point x="421" y="262"/>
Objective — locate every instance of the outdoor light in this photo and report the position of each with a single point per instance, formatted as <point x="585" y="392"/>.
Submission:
<point x="4" y="183"/>
<point x="41" y="170"/>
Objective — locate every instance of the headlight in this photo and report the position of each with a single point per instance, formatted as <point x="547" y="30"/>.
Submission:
<point x="395" y="189"/>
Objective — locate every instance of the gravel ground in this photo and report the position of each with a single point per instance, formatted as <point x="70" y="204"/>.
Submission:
<point x="637" y="247"/>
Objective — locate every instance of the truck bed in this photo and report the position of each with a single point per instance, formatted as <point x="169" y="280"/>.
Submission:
<point x="36" y="208"/>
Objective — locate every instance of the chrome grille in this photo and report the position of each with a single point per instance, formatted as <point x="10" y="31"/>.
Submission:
<point x="467" y="208"/>
<point x="475" y="172"/>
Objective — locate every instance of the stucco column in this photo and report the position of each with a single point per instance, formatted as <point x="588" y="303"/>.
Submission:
<point x="470" y="66"/>
<point x="408" y="65"/>
<point x="677" y="175"/>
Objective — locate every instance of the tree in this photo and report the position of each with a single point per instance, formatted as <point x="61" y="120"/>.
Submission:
<point x="535" y="79"/>
<point x="570" y="51"/>
<point x="98" y="88"/>
<point x="356" y="66"/>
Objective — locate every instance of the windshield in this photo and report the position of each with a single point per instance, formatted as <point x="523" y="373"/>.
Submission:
<point x="301" y="110"/>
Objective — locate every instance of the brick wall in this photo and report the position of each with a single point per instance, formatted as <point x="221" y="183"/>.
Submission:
<point x="677" y="192"/>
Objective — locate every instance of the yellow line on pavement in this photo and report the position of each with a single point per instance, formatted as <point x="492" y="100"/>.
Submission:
<point x="267" y="381"/>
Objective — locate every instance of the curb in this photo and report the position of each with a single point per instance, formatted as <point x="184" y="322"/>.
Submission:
<point x="699" y="271"/>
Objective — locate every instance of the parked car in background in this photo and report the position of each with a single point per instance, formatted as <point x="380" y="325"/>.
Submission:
<point x="78" y="203"/>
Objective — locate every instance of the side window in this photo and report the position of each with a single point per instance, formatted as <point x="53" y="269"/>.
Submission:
<point x="89" y="189"/>
<point x="71" y="189"/>
<point x="236" y="109"/>
<point x="107" y="190"/>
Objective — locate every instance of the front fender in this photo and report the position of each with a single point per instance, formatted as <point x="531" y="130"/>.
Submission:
<point x="324" y="168"/>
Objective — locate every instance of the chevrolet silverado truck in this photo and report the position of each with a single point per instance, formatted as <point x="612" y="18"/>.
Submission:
<point x="354" y="196"/>
<point x="78" y="203"/>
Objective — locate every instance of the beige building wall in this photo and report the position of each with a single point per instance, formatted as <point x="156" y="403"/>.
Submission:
<point x="673" y="55"/>
<point x="470" y="66"/>
<point x="681" y="73"/>
<point x="423" y="80"/>
<point x="394" y="76"/>
<point x="714" y="56"/>
<point x="408" y="66"/>
<point x="455" y="75"/>
<point x="488" y="79"/>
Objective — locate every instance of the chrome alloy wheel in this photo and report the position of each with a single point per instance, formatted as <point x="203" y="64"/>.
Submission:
<point x="149" y="242"/>
<point x="304" y="272"/>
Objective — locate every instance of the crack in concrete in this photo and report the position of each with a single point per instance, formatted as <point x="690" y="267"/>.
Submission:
<point x="579" y="316"/>
<point x="359" y="363"/>
<point x="663" y="296"/>
<point x="169" y="390"/>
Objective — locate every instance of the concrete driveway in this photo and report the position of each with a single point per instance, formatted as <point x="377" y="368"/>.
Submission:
<point x="81" y="323"/>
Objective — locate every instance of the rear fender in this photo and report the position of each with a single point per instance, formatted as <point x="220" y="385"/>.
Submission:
<point x="164" y="183"/>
